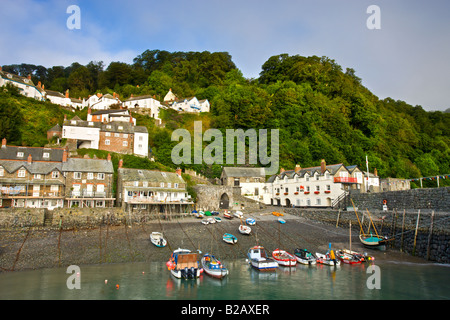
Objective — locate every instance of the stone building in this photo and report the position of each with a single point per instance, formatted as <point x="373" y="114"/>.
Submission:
<point x="151" y="190"/>
<point x="250" y="180"/>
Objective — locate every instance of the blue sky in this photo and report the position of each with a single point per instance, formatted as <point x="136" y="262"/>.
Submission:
<point x="407" y="59"/>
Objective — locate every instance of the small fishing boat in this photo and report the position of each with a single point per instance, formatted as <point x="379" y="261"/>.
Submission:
<point x="205" y="221"/>
<point x="250" y="221"/>
<point x="199" y="214"/>
<point x="245" y="229"/>
<point x="326" y="259"/>
<point x="284" y="258"/>
<point x="157" y="239"/>
<point x="229" y="238"/>
<point x="350" y="257"/>
<point x="277" y="214"/>
<point x="213" y="267"/>
<point x="227" y="215"/>
<point x="258" y="259"/>
<point x="238" y="214"/>
<point x="374" y="241"/>
<point x="303" y="256"/>
<point x="215" y="213"/>
<point x="211" y="220"/>
<point x="183" y="264"/>
<point x="218" y="219"/>
<point x="282" y="221"/>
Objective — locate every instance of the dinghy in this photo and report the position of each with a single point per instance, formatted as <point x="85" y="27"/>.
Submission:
<point x="227" y="215"/>
<point x="238" y="214"/>
<point x="326" y="259"/>
<point x="258" y="259"/>
<point x="303" y="256"/>
<point x="282" y="221"/>
<point x="244" y="229"/>
<point x="229" y="238"/>
<point x="183" y="264"/>
<point x="211" y="220"/>
<point x="217" y="219"/>
<point x="205" y="221"/>
<point x="284" y="258"/>
<point x="250" y="221"/>
<point x="349" y="257"/>
<point x="213" y="267"/>
<point x="157" y="239"/>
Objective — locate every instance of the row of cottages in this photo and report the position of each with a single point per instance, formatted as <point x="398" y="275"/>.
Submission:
<point x="144" y="104"/>
<point x="24" y="84"/>
<point x="47" y="178"/>
<point x="319" y="186"/>
<point x="112" y="130"/>
<point x="191" y="104"/>
<point x="150" y="190"/>
<point x="63" y="99"/>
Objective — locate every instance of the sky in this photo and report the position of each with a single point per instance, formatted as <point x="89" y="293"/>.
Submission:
<point x="407" y="58"/>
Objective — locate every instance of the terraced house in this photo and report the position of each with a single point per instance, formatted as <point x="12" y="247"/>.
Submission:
<point x="151" y="190"/>
<point x="47" y="178"/>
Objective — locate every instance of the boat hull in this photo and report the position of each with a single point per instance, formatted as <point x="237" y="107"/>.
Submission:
<point x="186" y="274"/>
<point x="229" y="238"/>
<point x="213" y="267"/>
<point x="158" y="240"/>
<point x="245" y="229"/>
<point x="373" y="242"/>
<point x="284" y="258"/>
<point x="304" y="257"/>
<point x="266" y="265"/>
<point x="323" y="259"/>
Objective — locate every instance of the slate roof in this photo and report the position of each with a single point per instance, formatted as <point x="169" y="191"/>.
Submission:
<point x="244" y="172"/>
<point x="128" y="174"/>
<point x="37" y="154"/>
<point x="87" y="165"/>
<point x="33" y="168"/>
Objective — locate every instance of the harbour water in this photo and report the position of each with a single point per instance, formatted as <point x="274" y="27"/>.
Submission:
<point x="152" y="281"/>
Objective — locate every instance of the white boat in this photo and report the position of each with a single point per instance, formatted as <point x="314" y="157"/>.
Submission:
<point x="250" y="221"/>
<point x="303" y="256"/>
<point x="245" y="229"/>
<point x="258" y="259"/>
<point x="211" y="220"/>
<point x="326" y="259"/>
<point x="282" y="221"/>
<point x="229" y="238"/>
<point x="284" y="258"/>
<point x="157" y="239"/>
<point x="213" y="267"/>
<point x="238" y="214"/>
<point x="218" y="219"/>
<point x="183" y="264"/>
<point x="205" y="221"/>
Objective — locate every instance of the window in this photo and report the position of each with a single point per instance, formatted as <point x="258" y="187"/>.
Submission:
<point x="90" y="175"/>
<point x="328" y="187"/>
<point x="169" y="185"/>
<point x="90" y="123"/>
<point x="2" y="172"/>
<point x="318" y="201"/>
<point x="117" y="135"/>
<point x="317" y="188"/>
<point x="77" y="175"/>
<point x="145" y="184"/>
<point x="100" y="188"/>
<point x="107" y="142"/>
<point x="108" y="134"/>
<point x="327" y="175"/>
<point x="307" y="188"/>
<point x="317" y="176"/>
<point x="108" y="126"/>
<point x="125" y="135"/>
<point x="21" y="173"/>
<point x="140" y="138"/>
<point x="37" y="176"/>
<point x="175" y="185"/>
<point x="54" y="188"/>
<point x="161" y="184"/>
<point x="140" y="146"/>
<point x="46" y="155"/>
<point x="101" y="176"/>
<point x="19" y="154"/>
<point x="120" y="127"/>
<point x="125" y="143"/>
<point x="55" y="174"/>
<point x="136" y="183"/>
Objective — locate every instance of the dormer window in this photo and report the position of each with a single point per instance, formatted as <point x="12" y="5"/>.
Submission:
<point x="19" y="154"/>
<point x="73" y="122"/>
<point x="90" y="123"/>
<point x="120" y="127"/>
<point x="46" y="155"/>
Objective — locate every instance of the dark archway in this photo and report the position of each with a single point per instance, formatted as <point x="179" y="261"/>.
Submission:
<point x="288" y="203"/>
<point x="224" y="201"/>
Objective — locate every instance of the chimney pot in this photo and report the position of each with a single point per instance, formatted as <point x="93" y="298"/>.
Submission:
<point x="297" y="168"/>
<point x="109" y="157"/>
<point x="29" y="159"/>
<point x="64" y="158"/>
<point x="323" y="166"/>
<point x="67" y="93"/>
<point x="4" y="143"/>
<point x="178" y="171"/>
<point x="29" y="77"/>
<point x="120" y="163"/>
<point x="281" y="170"/>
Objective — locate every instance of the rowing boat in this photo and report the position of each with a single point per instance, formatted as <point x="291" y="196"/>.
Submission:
<point x="303" y="256"/>
<point x="229" y="238"/>
<point x="258" y="259"/>
<point x="213" y="267"/>
<point x="284" y="258"/>
<point x="244" y="229"/>
<point x="157" y="239"/>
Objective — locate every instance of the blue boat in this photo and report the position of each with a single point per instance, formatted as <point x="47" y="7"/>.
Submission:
<point x="282" y="221"/>
<point x="250" y="221"/>
<point x="229" y="238"/>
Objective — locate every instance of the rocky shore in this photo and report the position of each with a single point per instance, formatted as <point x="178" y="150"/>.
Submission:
<point x="35" y="248"/>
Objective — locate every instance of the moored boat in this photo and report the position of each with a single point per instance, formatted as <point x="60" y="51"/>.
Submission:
<point x="303" y="256"/>
<point x="284" y="258"/>
<point x="250" y="221"/>
<point x="374" y="241"/>
<point x="244" y="229"/>
<point x="258" y="259"/>
<point x="205" y="221"/>
<point x="277" y="214"/>
<point x="282" y="221"/>
<point x="218" y="219"/>
<point x="183" y="264"/>
<point x="349" y="257"/>
<point x="157" y="239"/>
<point x="227" y="215"/>
<point x="327" y="259"/>
<point x="211" y="220"/>
<point x="213" y="267"/>
<point x="238" y="214"/>
<point x="229" y="238"/>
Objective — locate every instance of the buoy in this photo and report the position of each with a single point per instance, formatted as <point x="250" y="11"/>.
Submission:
<point x="106" y="281"/>
<point x="117" y="286"/>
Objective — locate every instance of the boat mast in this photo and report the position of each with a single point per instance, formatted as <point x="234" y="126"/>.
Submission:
<point x="372" y="223"/>
<point x="354" y="209"/>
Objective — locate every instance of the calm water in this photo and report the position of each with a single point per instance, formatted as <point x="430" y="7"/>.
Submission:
<point x="153" y="281"/>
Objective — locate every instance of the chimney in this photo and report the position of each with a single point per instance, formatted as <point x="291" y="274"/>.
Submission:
<point x="4" y="143"/>
<point x="39" y="84"/>
<point x="109" y="157"/>
<point x="67" y="93"/>
<point x="65" y="117"/>
<point x="120" y="163"/>
<point x="297" y="168"/>
<point x="131" y="119"/>
<point x="281" y="170"/>
<point x="178" y="171"/>
<point x="375" y="172"/>
<point x="64" y="158"/>
<point x="89" y="110"/>
<point x="43" y="87"/>
<point x="131" y="96"/>
<point x="323" y="166"/>
<point x="0" y="68"/>
<point x="99" y="95"/>
<point x="114" y="95"/>
<point x="29" y="77"/>
<point x="29" y="159"/>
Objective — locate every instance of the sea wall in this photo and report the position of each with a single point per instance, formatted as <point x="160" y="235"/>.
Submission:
<point x="437" y="199"/>
<point x="432" y="241"/>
